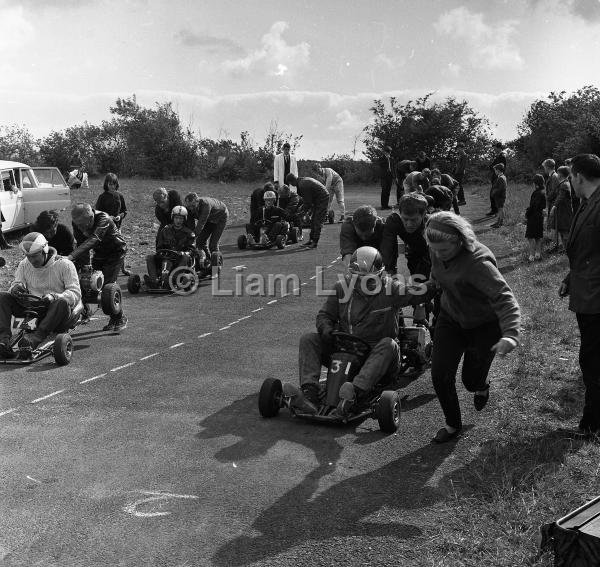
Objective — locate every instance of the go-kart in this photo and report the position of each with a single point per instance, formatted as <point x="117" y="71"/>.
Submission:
<point x="289" y="234"/>
<point x="95" y="294"/>
<point x="58" y="344"/>
<point x="349" y="354"/>
<point x="173" y="278"/>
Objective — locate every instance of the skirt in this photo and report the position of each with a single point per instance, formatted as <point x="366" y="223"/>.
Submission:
<point x="535" y="226"/>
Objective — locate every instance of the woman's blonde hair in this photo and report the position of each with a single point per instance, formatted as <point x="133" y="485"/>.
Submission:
<point x="449" y="227"/>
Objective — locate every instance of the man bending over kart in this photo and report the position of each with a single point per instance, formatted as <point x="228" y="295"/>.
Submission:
<point x="165" y="201"/>
<point x="335" y="187"/>
<point x="371" y="312"/>
<point x="47" y="275"/>
<point x="175" y="237"/>
<point x="211" y="218"/>
<point x="95" y="230"/>
<point x="365" y="228"/>
<point x="272" y="220"/>
<point x="291" y="203"/>
<point x="315" y="198"/>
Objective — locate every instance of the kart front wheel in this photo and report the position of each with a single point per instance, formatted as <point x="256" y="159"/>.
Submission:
<point x="110" y="299"/>
<point x="134" y="283"/>
<point x="242" y="241"/>
<point x="62" y="349"/>
<point x="269" y="397"/>
<point x="388" y="411"/>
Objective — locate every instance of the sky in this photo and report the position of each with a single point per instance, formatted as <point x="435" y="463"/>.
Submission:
<point x="310" y="67"/>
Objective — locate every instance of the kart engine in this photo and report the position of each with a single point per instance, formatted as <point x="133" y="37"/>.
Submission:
<point x="90" y="282"/>
<point x="413" y="344"/>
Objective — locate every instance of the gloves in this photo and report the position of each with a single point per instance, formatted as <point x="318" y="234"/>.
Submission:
<point x="18" y="289"/>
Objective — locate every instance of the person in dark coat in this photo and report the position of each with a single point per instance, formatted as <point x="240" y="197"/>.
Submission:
<point x="58" y="235"/>
<point x="386" y="176"/>
<point x="315" y="198"/>
<point x="459" y="172"/>
<point x="562" y="210"/>
<point x="364" y="228"/>
<point x="111" y="201"/>
<point x="535" y="218"/>
<point x="422" y="161"/>
<point x="499" y="158"/>
<point x="403" y="169"/>
<point x="165" y="201"/>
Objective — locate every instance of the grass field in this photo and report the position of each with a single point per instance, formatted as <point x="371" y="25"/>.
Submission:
<point x="522" y="471"/>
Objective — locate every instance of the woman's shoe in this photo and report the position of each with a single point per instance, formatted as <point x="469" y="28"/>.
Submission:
<point x="443" y="435"/>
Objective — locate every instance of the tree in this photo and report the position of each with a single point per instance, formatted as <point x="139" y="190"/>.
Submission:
<point x="17" y="144"/>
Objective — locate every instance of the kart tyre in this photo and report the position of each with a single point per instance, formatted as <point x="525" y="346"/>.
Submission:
<point x="269" y="397"/>
<point x="280" y="241"/>
<point x="294" y="235"/>
<point x="62" y="349"/>
<point x="134" y="283"/>
<point x="110" y="299"/>
<point x="242" y="241"/>
<point x="388" y="411"/>
<point x="330" y="217"/>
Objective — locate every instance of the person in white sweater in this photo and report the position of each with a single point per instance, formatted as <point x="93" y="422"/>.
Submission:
<point x="47" y="275"/>
<point x="335" y="186"/>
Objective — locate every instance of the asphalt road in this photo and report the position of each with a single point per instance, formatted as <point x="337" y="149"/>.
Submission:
<point x="151" y="450"/>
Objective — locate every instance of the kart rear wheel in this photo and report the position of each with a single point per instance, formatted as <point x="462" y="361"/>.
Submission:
<point x="388" y="411"/>
<point x="330" y="217"/>
<point x="280" y="241"/>
<point x="62" y="349"/>
<point x="242" y="241"/>
<point x="134" y="283"/>
<point x="110" y="299"/>
<point x="269" y="397"/>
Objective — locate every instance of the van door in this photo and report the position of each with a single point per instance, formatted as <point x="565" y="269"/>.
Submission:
<point x="11" y="201"/>
<point x="44" y="188"/>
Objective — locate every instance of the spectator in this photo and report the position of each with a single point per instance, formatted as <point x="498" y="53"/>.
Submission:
<point x="386" y="176"/>
<point x="562" y="211"/>
<point x="283" y="165"/>
<point x="582" y="283"/>
<point x="58" y="235"/>
<point x="452" y="184"/>
<point x="479" y="316"/>
<point x="459" y="172"/>
<point x="499" y="158"/>
<point x="210" y="216"/>
<point x="551" y="194"/>
<point x="574" y="198"/>
<point x="415" y="181"/>
<point x="111" y="201"/>
<point x="365" y="228"/>
<point x="499" y="194"/>
<point x="535" y="218"/>
<point x="314" y="199"/>
<point x="422" y="161"/>
<point x="335" y="186"/>
<point x="165" y="201"/>
<point x="405" y="167"/>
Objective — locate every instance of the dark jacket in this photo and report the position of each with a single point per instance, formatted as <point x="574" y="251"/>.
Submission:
<point x="113" y="204"/>
<point x="583" y="251"/>
<point x="164" y="217"/>
<point x="449" y="182"/>
<point x="499" y="158"/>
<point x="104" y="239"/>
<point x="182" y="240"/>
<point x="386" y="167"/>
<point x="257" y="202"/>
<point x="291" y="204"/>
<point x="422" y="164"/>
<point x="564" y="207"/>
<point x="552" y="184"/>
<point x="349" y="240"/>
<point x="370" y="317"/>
<point x="441" y="195"/>
<point x="417" y="251"/>
<point x="209" y="211"/>
<point x="311" y="191"/>
<point x="63" y="241"/>
<point x="461" y="166"/>
<point x="537" y="204"/>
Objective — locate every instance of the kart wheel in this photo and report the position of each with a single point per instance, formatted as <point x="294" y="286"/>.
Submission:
<point x="388" y="411"/>
<point x="294" y="235"/>
<point x="110" y="299"/>
<point x="134" y="283"/>
<point x="242" y="241"/>
<point x="280" y="241"/>
<point x="331" y="217"/>
<point x="269" y="397"/>
<point x="62" y="349"/>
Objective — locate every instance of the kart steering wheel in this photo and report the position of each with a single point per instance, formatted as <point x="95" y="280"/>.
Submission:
<point x="348" y="338"/>
<point x="30" y="301"/>
<point x="166" y="254"/>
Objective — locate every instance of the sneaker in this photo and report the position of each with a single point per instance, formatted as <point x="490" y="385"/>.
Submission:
<point x="110" y="326"/>
<point x="311" y="244"/>
<point x="120" y="324"/>
<point x="300" y="399"/>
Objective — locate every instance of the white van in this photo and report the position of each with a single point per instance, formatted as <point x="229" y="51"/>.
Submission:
<point x="27" y="191"/>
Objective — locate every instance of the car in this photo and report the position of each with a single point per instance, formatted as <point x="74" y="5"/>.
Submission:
<point x="27" y="191"/>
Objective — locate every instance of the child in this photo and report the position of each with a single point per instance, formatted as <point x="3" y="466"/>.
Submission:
<point x="562" y="210"/>
<point x="498" y="194"/>
<point x="535" y="218"/>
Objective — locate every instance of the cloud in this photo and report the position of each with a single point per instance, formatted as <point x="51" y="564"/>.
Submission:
<point x="382" y="60"/>
<point x="452" y="70"/>
<point x="17" y="30"/>
<point x="587" y="10"/>
<point x="273" y="58"/>
<point x="489" y="47"/>
<point x="346" y="120"/>
<point x="211" y="44"/>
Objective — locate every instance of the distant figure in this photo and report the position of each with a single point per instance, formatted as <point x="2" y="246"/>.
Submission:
<point x="552" y="182"/>
<point x="335" y="186"/>
<point x="459" y="172"/>
<point x="111" y="201"/>
<point x="386" y="176"/>
<point x="499" y="158"/>
<point x="284" y="164"/>
<point x="562" y="210"/>
<point x="498" y="194"/>
<point x="422" y="161"/>
<point x="535" y="218"/>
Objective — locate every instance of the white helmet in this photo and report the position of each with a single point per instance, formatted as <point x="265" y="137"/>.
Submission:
<point x="33" y="242"/>
<point x="366" y="260"/>
<point x="180" y="211"/>
<point x="269" y="195"/>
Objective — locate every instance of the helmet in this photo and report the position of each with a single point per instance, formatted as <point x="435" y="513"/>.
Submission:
<point x="366" y="260"/>
<point x="33" y="242"/>
<point x="179" y="210"/>
<point x="269" y="195"/>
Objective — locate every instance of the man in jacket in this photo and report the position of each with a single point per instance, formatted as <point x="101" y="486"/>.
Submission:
<point x="386" y="176"/>
<point x="582" y="283"/>
<point x="500" y="157"/>
<point x="284" y="164"/>
<point x="315" y="198"/>
<point x="47" y="275"/>
<point x="95" y="231"/>
<point x="165" y="201"/>
<point x="210" y="216"/>
<point x="364" y="228"/>
<point x="459" y="172"/>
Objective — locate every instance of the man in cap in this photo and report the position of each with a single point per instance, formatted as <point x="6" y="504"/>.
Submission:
<point x="95" y="230"/>
<point x="47" y="275"/>
<point x="284" y="164"/>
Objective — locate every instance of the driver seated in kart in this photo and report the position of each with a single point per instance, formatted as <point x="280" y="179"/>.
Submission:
<point x="367" y="304"/>
<point x="272" y="219"/>
<point x="175" y="236"/>
<point x="47" y="275"/>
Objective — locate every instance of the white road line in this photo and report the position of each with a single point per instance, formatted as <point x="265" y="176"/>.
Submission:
<point x="232" y="323"/>
<point x="93" y="378"/>
<point x="305" y="283"/>
<point x="224" y="328"/>
<point x="46" y="397"/>
<point x="149" y="356"/>
<point x="121" y="367"/>
<point x="271" y="302"/>
<point x="6" y="412"/>
<point x="240" y="267"/>
<point x="256" y="310"/>
<point x="242" y="318"/>
<point x="204" y="335"/>
<point x="34" y="479"/>
<point x="295" y="289"/>
<point x="177" y="345"/>
<point x="312" y="277"/>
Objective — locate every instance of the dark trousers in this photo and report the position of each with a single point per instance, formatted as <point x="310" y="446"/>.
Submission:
<point x="211" y="233"/>
<point x="451" y="342"/>
<point x="461" y="192"/>
<point x="57" y="315"/>
<point x="455" y="205"/>
<point x="319" y="214"/>
<point x="386" y="188"/>
<point x="589" y="361"/>
<point x="493" y="207"/>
